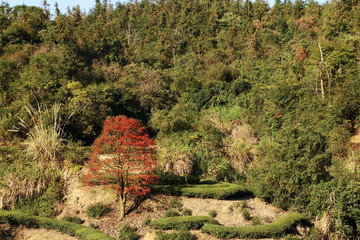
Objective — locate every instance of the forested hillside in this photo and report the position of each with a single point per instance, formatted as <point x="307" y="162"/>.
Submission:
<point x="231" y="90"/>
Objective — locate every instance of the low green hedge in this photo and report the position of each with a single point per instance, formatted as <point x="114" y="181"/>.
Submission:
<point x="216" y="191"/>
<point x="178" y="180"/>
<point x="182" y="223"/>
<point x="276" y="229"/>
<point x="182" y="235"/>
<point x="73" y="229"/>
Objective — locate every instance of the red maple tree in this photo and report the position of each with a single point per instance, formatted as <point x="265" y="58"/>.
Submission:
<point x="123" y="158"/>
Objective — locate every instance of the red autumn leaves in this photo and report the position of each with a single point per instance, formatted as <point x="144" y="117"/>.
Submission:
<point x="123" y="158"/>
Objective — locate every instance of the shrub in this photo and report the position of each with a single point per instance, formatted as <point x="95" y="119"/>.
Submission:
<point x="171" y="213"/>
<point x="217" y="190"/>
<point x="183" y="235"/>
<point x="212" y="213"/>
<point x="28" y="188"/>
<point x="73" y="219"/>
<point x="97" y="210"/>
<point x="255" y="221"/>
<point x="246" y="214"/>
<point x="278" y="228"/>
<point x="128" y="233"/>
<point x="42" y="205"/>
<point x="178" y="180"/>
<point x="175" y="203"/>
<point x="147" y="221"/>
<point x="183" y="222"/>
<point x="186" y="212"/>
<point x="73" y="229"/>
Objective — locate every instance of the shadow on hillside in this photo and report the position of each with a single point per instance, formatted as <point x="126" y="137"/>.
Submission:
<point x="243" y="197"/>
<point x="7" y="232"/>
<point x="136" y="204"/>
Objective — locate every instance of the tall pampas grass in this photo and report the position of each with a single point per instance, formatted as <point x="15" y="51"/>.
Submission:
<point x="44" y="134"/>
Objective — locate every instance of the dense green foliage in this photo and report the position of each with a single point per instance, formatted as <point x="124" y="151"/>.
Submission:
<point x="214" y="190"/>
<point x="276" y="229"/>
<point x="70" y="228"/>
<point x="182" y="222"/>
<point x="231" y="90"/>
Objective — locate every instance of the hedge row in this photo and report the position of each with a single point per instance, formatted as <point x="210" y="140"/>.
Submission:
<point x="216" y="191"/>
<point x="182" y="223"/>
<point x="178" y="180"/>
<point x="276" y="229"/>
<point x="182" y="235"/>
<point x="73" y="229"/>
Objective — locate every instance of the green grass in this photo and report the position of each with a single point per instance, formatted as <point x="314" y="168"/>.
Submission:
<point x="182" y="223"/>
<point x="73" y="229"/>
<point x="216" y="190"/>
<point x="276" y="229"/>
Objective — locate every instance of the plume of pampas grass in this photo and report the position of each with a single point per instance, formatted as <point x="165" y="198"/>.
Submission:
<point x="44" y="139"/>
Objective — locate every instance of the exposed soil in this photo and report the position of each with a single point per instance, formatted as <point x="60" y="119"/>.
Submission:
<point x="228" y="211"/>
<point x="8" y="232"/>
<point x="78" y="198"/>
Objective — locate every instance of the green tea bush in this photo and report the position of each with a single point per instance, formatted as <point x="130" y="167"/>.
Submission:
<point x="175" y="203"/>
<point x="178" y="180"/>
<point x="212" y="213"/>
<point x="182" y="222"/>
<point x="186" y="212"/>
<point x="97" y="210"/>
<point x="278" y="228"/>
<point x="171" y="213"/>
<point x="128" y="233"/>
<point x="73" y="229"/>
<point x="245" y="213"/>
<point x="216" y="191"/>
<point x="73" y="219"/>
<point x="183" y="235"/>
<point x="255" y="221"/>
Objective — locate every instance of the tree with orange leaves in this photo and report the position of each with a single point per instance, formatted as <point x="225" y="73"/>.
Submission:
<point x="123" y="158"/>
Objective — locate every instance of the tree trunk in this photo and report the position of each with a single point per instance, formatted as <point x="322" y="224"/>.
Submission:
<point x="321" y="79"/>
<point x="122" y="202"/>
